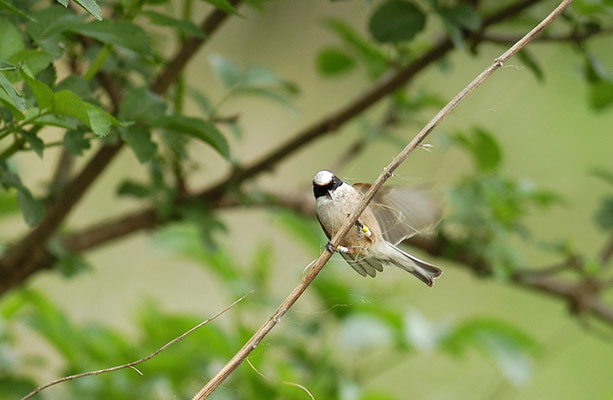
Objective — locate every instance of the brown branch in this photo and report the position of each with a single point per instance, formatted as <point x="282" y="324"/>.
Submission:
<point x="29" y="254"/>
<point x="61" y="174"/>
<point x="133" y="363"/>
<point x="386" y="174"/>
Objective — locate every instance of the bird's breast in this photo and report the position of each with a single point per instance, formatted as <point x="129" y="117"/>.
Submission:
<point x="333" y="212"/>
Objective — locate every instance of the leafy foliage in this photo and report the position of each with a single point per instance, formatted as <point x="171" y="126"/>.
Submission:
<point x="396" y="21"/>
<point x="489" y="207"/>
<point x="56" y="59"/>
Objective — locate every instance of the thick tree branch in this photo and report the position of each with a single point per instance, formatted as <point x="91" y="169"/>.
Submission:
<point x="26" y="257"/>
<point x="386" y="174"/>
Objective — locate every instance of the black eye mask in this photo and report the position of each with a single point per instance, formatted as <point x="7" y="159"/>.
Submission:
<point x="330" y="187"/>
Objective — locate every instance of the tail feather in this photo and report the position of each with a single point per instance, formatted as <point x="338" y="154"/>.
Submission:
<point x="422" y="270"/>
<point x="364" y="266"/>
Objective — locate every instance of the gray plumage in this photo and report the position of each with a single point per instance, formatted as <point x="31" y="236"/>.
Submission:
<point x="395" y="214"/>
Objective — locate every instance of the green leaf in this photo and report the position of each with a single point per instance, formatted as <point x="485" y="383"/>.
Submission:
<point x="99" y="120"/>
<point x="142" y="105"/>
<point x="604" y="216"/>
<point x="603" y="174"/>
<point x="223" y="5"/>
<point x="601" y="95"/>
<point x="14" y="96"/>
<point x="227" y="72"/>
<point x="134" y="189"/>
<point x="8" y="104"/>
<point x="8" y="203"/>
<point x="455" y="33"/>
<point x="593" y="69"/>
<point x="42" y="92"/>
<point x="333" y="61"/>
<point x="530" y="61"/>
<point x="14" y="10"/>
<point x="269" y="94"/>
<point x="8" y="177"/>
<point x="11" y="42"/>
<point x="184" y="26"/>
<point x="199" y="129"/>
<point x="34" y="60"/>
<point x="69" y="264"/>
<point x="261" y="264"/>
<point x="462" y="15"/>
<point x="12" y="387"/>
<point x="396" y="21"/>
<point x="77" y="85"/>
<point x="50" y="23"/>
<point x="32" y="209"/>
<point x="48" y="321"/>
<point x="509" y="347"/>
<point x="138" y="137"/>
<point x="91" y="7"/>
<point x="35" y="142"/>
<point x="65" y="102"/>
<point x="7" y="66"/>
<point x="484" y="149"/>
<point x="202" y="101"/>
<point x="74" y="142"/>
<point x="371" y="395"/>
<point x="117" y="33"/>
<point x="57" y="120"/>
<point x="374" y="59"/>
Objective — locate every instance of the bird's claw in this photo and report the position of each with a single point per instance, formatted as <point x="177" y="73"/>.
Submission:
<point x="339" y="248"/>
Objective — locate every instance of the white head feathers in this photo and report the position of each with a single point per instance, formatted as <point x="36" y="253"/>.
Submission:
<point x="323" y="178"/>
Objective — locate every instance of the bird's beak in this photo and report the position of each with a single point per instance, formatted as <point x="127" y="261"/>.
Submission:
<point x="330" y="194"/>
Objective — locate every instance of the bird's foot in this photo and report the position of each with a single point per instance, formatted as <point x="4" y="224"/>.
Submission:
<point x="339" y="248"/>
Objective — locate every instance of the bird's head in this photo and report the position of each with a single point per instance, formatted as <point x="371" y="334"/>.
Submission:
<point x="325" y="183"/>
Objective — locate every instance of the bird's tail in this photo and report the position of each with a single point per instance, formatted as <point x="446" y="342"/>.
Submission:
<point x="424" y="271"/>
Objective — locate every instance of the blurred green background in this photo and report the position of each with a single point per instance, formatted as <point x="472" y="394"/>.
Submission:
<point x="549" y="136"/>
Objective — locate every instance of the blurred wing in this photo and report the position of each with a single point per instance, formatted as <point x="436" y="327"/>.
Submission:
<point x="402" y="212"/>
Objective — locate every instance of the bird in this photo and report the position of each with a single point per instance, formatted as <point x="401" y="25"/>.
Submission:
<point x="395" y="214"/>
